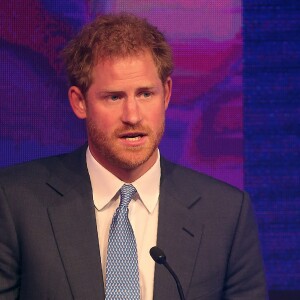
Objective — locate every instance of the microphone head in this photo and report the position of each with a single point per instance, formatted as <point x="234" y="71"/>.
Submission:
<point x="158" y="255"/>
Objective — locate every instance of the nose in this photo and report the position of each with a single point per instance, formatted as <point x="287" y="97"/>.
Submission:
<point x="131" y="113"/>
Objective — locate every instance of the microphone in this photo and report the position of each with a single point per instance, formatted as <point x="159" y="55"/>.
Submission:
<point x="159" y="257"/>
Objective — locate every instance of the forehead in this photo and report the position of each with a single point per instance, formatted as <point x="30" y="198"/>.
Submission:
<point x="139" y="65"/>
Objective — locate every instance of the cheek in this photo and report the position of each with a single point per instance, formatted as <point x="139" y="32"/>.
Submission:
<point x="158" y="114"/>
<point x="156" y="121"/>
<point x="102" y="119"/>
<point x="104" y="124"/>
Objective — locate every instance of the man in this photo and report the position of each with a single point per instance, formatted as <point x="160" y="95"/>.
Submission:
<point x="57" y="215"/>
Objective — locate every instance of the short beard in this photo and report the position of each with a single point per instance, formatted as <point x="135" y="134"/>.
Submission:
<point x="133" y="157"/>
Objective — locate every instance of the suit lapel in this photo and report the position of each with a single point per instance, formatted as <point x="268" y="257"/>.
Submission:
<point x="74" y="227"/>
<point x="179" y="235"/>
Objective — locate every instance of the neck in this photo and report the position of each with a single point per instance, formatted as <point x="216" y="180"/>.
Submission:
<point x="127" y="175"/>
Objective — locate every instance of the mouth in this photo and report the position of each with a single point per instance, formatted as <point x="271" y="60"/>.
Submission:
<point x="132" y="136"/>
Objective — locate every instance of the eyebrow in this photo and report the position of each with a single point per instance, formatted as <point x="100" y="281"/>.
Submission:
<point x="146" y="88"/>
<point x="102" y="93"/>
<point x="109" y="92"/>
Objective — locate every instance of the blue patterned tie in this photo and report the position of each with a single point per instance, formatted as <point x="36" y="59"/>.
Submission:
<point x="122" y="274"/>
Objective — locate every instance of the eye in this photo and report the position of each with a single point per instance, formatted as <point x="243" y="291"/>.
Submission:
<point x="146" y="94"/>
<point x="114" y="97"/>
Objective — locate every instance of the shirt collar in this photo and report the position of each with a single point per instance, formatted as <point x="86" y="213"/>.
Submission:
<point x="105" y="185"/>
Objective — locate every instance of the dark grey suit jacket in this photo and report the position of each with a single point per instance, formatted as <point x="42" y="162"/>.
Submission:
<point x="49" y="244"/>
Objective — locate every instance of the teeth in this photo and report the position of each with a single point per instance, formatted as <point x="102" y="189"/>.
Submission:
<point x="133" y="138"/>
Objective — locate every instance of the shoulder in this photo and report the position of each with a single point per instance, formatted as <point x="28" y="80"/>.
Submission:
<point x="41" y="169"/>
<point x="194" y="179"/>
<point x="211" y="195"/>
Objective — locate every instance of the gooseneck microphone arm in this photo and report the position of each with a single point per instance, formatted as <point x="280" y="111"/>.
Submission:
<point x="159" y="257"/>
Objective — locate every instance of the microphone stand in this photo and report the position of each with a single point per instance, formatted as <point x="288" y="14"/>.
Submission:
<point x="179" y="287"/>
<point x="159" y="257"/>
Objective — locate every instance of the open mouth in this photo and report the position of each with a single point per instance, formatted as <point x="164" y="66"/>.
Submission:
<point x="132" y="136"/>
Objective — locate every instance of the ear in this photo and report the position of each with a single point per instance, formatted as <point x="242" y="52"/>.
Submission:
<point x="167" y="91"/>
<point x="77" y="102"/>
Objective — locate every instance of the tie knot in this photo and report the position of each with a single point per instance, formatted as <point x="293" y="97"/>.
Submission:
<point x="127" y="192"/>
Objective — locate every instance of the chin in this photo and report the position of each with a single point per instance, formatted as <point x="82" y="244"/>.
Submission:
<point x="133" y="160"/>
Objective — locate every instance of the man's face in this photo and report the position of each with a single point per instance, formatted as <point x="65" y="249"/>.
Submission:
<point x="125" y="113"/>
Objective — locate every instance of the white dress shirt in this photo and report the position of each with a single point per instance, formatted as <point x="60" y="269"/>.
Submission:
<point x="143" y="215"/>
